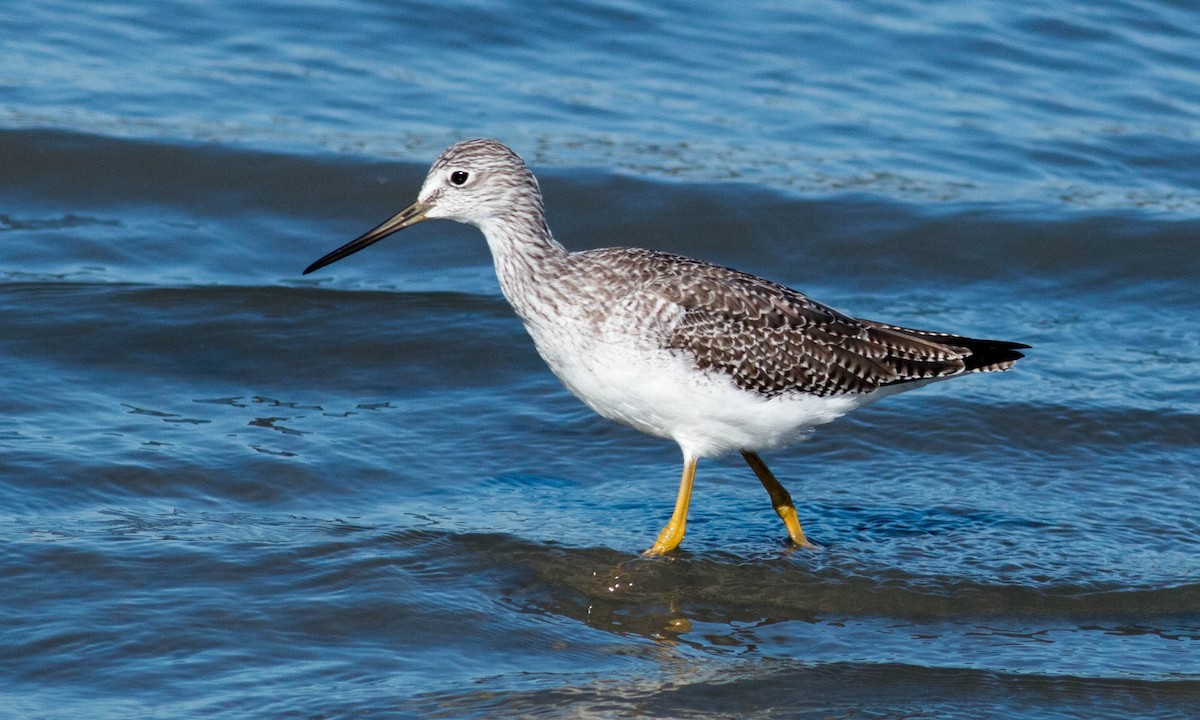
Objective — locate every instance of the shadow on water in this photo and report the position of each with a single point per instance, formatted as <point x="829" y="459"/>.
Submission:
<point x="719" y="633"/>
<point x="662" y="597"/>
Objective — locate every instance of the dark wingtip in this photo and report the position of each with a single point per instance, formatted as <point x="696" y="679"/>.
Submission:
<point x="991" y="355"/>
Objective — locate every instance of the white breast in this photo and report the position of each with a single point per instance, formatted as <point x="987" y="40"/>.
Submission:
<point x="621" y="371"/>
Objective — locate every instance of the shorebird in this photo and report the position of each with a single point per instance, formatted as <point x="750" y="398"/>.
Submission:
<point x="715" y="359"/>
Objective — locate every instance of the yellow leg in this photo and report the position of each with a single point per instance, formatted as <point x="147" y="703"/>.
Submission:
<point x="672" y="534"/>
<point x="780" y="498"/>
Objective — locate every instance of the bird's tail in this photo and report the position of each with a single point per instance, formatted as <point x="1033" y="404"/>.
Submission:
<point x="981" y="356"/>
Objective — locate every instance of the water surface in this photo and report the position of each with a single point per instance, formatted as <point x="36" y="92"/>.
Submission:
<point x="231" y="490"/>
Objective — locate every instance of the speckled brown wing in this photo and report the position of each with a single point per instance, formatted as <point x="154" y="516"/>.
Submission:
<point x="773" y="340"/>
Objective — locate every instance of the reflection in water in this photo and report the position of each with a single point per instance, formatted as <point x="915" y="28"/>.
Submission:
<point x="815" y="609"/>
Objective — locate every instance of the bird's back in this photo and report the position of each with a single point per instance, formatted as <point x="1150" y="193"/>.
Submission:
<point x="772" y="340"/>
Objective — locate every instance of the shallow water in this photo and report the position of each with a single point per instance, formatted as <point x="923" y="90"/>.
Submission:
<point x="229" y="489"/>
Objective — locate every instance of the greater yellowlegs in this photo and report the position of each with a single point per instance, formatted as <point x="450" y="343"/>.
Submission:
<point x="712" y="358"/>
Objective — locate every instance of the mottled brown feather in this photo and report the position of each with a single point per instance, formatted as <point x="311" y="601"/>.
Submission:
<point x="773" y="340"/>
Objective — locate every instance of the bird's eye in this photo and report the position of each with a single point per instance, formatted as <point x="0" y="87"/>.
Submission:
<point x="459" y="177"/>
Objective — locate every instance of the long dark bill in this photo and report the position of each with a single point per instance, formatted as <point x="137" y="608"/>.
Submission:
<point x="407" y="217"/>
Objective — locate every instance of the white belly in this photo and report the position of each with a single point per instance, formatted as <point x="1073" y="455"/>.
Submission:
<point x="661" y="392"/>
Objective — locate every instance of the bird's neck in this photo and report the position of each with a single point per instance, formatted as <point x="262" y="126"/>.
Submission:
<point x="527" y="259"/>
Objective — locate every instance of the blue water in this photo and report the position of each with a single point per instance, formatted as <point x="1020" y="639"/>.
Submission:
<point x="230" y="490"/>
